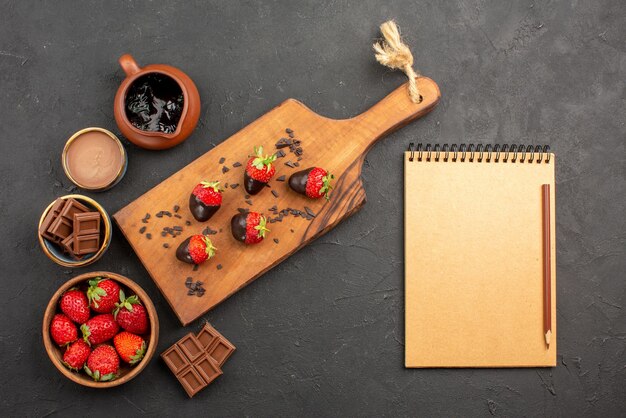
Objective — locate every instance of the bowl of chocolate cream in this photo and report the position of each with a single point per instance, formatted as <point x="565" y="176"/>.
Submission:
<point x="94" y="159"/>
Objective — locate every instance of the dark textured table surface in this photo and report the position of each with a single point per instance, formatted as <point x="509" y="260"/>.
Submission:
<point x="322" y="333"/>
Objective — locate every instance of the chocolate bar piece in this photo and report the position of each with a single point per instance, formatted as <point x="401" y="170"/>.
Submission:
<point x="207" y="368"/>
<point x="72" y="206"/>
<point x="49" y="219"/>
<point x="191" y="348"/>
<point x="86" y="244"/>
<point x="215" y="345"/>
<point x="86" y="223"/>
<point x="175" y="359"/>
<point x="191" y="381"/>
<point x="61" y="228"/>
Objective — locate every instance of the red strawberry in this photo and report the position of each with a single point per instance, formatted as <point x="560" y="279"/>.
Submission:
<point x="103" y="364"/>
<point x="130" y="347"/>
<point x="75" y="305"/>
<point x="259" y="171"/>
<point x="249" y="227"/>
<point x="196" y="249"/>
<point x="131" y="315"/>
<point x="205" y="200"/>
<point x="103" y="294"/>
<point x="76" y="355"/>
<point x="313" y="182"/>
<point x="63" y="330"/>
<point x="99" y="329"/>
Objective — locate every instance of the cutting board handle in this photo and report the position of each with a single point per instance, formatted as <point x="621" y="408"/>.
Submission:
<point x="395" y="111"/>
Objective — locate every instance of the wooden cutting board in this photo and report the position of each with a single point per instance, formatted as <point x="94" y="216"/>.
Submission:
<point x="340" y="146"/>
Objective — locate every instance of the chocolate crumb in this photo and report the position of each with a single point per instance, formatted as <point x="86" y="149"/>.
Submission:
<point x="281" y="178"/>
<point x="176" y="207"/>
<point x="225" y="170"/>
<point x="275" y="193"/>
<point x="144" y="221"/>
<point x="247" y="196"/>
<point x="176" y="215"/>
<point x="188" y="282"/>
<point x="149" y="235"/>
<point x="187" y="223"/>
<point x="222" y="160"/>
<point x="280" y="154"/>
<point x="297" y="164"/>
<point x="299" y="158"/>
<point x="289" y="164"/>
<point x="292" y="231"/>
<point x="191" y="292"/>
<point x="166" y="245"/>
<point x="242" y="210"/>
<point x="142" y="229"/>
<point x="159" y="214"/>
<point x="177" y="228"/>
<point x="276" y="240"/>
<point x="248" y="201"/>
<point x="289" y="130"/>
<point x="237" y="164"/>
<point x="234" y="185"/>
<point x="163" y="233"/>
<point x="195" y="267"/>
<point x="309" y="211"/>
<point x="147" y="216"/>
<point x="219" y="266"/>
<point x="226" y="185"/>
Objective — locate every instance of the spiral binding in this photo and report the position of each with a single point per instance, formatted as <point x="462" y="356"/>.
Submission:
<point x="480" y="153"/>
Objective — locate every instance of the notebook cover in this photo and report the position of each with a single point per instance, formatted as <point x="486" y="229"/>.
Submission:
<point x="473" y="264"/>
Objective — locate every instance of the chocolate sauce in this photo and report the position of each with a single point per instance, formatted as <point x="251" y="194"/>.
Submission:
<point x="252" y="186"/>
<point x="298" y="180"/>
<point x="238" y="226"/>
<point x="200" y="210"/>
<point x="154" y="102"/>
<point x="182" y="252"/>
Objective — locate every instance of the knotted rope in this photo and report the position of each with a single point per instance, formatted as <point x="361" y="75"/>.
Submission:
<point x="395" y="54"/>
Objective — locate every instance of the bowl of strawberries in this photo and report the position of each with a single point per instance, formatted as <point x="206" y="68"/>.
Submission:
<point x="100" y="329"/>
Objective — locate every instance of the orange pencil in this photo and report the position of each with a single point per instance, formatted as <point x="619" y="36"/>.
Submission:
<point x="547" y="265"/>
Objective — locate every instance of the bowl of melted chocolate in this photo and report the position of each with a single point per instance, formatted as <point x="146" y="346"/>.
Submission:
<point x="157" y="106"/>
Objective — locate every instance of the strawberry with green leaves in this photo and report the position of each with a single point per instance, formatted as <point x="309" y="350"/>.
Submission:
<point x="130" y="314"/>
<point x="103" y="364"/>
<point x="205" y="200"/>
<point x="196" y="249"/>
<point x="62" y="330"/>
<point x="75" y="305"/>
<point x="76" y="355"/>
<point x="99" y="329"/>
<point x="249" y="228"/>
<point x="130" y="347"/>
<point x="259" y="171"/>
<point x="313" y="182"/>
<point x="103" y="294"/>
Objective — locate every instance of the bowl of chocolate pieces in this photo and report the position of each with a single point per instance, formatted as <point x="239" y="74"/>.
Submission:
<point x="74" y="231"/>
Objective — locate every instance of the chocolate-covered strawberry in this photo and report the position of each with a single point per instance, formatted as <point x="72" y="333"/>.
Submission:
<point x="313" y="182"/>
<point x="259" y="171"/>
<point x="250" y="227"/>
<point x="195" y="250"/>
<point x="205" y="200"/>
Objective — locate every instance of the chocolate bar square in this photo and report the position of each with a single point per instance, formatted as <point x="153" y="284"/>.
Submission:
<point x="190" y="346"/>
<point x="86" y="223"/>
<point x="72" y="206"/>
<point x="86" y="244"/>
<point x="175" y="359"/>
<point x="61" y="228"/>
<point x="49" y="219"/>
<point x="221" y="351"/>
<point x="207" y="368"/>
<point x="208" y="336"/>
<point x="191" y="380"/>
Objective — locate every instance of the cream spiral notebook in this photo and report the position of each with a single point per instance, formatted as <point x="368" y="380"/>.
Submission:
<point x="474" y="278"/>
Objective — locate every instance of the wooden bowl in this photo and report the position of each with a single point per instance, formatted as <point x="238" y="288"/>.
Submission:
<point x="56" y="254"/>
<point x="126" y="372"/>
